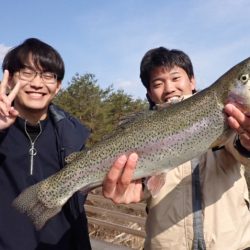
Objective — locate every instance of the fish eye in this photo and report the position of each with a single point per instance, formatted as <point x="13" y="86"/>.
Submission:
<point x="244" y="78"/>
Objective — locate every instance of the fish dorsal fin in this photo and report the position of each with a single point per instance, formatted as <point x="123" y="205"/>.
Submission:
<point x="126" y="120"/>
<point x="71" y="157"/>
<point x="131" y="117"/>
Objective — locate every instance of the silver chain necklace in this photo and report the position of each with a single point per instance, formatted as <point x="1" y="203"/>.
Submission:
<point x="32" y="150"/>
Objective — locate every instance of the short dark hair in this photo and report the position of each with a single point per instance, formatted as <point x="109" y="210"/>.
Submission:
<point x="43" y="55"/>
<point x="164" y="57"/>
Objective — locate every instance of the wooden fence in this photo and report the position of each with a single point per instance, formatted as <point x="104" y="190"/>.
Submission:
<point x="119" y="224"/>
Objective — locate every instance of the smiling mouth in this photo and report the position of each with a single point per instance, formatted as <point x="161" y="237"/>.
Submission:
<point x="174" y="99"/>
<point x="169" y="102"/>
<point x="35" y="94"/>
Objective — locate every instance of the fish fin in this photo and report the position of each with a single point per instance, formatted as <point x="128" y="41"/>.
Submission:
<point x="131" y="117"/>
<point x="28" y="203"/>
<point x="72" y="157"/>
<point x="155" y="183"/>
<point x="222" y="140"/>
<point x="124" y="121"/>
<point x="85" y="190"/>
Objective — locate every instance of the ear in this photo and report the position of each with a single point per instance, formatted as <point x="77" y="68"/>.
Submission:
<point x="58" y="86"/>
<point x="193" y="83"/>
<point x="149" y="95"/>
<point x="149" y="98"/>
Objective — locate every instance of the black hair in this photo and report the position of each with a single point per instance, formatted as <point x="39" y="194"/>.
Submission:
<point x="164" y="57"/>
<point x="42" y="55"/>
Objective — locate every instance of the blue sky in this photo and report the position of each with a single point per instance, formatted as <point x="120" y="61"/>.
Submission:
<point x="108" y="38"/>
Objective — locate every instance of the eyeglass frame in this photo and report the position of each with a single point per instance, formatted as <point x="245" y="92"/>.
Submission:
<point x="34" y="75"/>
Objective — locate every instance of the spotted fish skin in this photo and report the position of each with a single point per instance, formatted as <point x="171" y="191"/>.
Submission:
<point x="163" y="139"/>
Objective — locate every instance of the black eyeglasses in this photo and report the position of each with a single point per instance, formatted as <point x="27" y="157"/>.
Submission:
<point x="29" y="75"/>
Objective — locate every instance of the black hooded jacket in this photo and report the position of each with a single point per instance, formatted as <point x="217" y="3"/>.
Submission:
<point x="61" y="135"/>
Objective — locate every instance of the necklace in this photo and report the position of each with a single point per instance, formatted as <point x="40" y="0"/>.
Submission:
<point x="32" y="139"/>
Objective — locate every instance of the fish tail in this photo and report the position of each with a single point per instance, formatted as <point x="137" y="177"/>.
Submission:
<point x="28" y="203"/>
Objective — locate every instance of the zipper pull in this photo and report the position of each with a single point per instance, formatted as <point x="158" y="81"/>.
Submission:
<point x="32" y="152"/>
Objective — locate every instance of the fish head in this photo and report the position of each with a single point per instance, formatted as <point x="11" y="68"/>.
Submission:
<point x="239" y="90"/>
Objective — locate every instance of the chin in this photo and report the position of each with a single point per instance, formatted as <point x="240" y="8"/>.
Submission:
<point x="37" y="106"/>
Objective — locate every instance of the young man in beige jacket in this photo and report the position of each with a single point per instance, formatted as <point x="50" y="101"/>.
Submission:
<point x="204" y="203"/>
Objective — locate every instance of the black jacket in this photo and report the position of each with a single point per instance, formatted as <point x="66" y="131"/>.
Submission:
<point x="61" y="135"/>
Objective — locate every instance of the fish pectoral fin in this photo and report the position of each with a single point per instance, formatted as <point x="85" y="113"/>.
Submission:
<point x="86" y="189"/>
<point x="155" y="183"/>
<point x="222" y="140"/>
<point x="72" y="157"/>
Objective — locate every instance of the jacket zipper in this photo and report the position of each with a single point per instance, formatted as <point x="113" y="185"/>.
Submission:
<point x="32" y="150"/>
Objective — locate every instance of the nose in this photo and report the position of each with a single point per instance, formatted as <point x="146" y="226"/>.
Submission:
<point x="37" y="82"/>
<point x="168" y="87"/>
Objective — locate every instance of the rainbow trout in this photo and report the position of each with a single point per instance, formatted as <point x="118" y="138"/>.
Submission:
<point x="163" y="139"/>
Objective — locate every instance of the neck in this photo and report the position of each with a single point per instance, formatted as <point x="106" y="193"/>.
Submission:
<point x="33" y="116"/>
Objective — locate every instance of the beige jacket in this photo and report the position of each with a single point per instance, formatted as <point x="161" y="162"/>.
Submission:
<point x="225" y="201"/>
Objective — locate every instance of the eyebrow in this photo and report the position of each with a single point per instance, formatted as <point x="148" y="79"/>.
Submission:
<point x="174" y="72"/>
<point x="157" y="79"/>
<point x="32" y="68"/>
<point x="28" y="66"/>
<point x="160" y="78"/>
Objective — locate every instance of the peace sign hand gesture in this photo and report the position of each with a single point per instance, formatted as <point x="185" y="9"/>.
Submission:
<point x="8" y="113"/>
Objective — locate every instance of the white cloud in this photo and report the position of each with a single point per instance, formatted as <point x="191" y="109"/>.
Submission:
<point x="123" y="84"/>
<point x="3" y="50"/>
<point x="132" y="87"/>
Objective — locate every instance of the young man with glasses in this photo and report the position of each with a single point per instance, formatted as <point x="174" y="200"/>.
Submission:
<point x="35" y="138"/>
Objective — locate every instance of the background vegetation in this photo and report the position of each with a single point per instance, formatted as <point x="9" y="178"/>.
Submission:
<point x="99" y="109"/>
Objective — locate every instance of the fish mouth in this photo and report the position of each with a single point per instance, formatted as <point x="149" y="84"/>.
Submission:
<point x="240" y="97"/>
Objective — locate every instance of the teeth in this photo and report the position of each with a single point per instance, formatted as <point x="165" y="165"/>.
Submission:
<point x="173" y="99"/>
<point x="169" y="102"/>
<point x="35" y="94"/>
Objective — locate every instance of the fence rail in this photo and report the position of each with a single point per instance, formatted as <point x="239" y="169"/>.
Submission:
<point x="128" y="219"/>
<point x="115" y="214"/>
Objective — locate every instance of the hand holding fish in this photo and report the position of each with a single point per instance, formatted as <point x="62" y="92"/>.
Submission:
<point x="240" y="122"/>
<point x="8" y="113"/>
<point x="118" y="185"/>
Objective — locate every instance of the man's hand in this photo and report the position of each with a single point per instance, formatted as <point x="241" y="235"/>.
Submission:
<point x="8" y="113"/>
<point x="118" y="185"/>
<point x="240" y="122"/>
